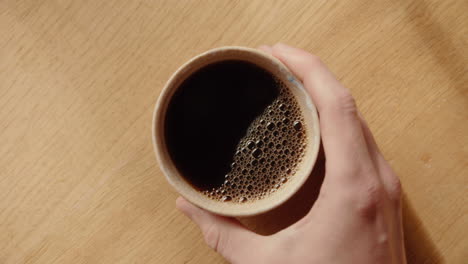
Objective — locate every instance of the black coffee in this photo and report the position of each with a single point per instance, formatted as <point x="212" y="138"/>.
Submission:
<point x="234" y="131"/>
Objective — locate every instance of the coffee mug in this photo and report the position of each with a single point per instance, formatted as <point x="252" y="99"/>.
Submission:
<point x="235" y="132"/>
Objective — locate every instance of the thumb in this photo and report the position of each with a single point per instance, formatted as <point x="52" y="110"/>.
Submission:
<point x="225" y="235"/>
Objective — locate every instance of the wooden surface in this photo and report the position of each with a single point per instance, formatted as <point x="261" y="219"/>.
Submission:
<point x="78" y="81"/>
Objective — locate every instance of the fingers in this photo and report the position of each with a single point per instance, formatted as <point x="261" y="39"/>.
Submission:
<point x="225" y="235"/>
<point x="372" y="147"/>
<point x="389" y="179"/>
<point x="342" y="135"/>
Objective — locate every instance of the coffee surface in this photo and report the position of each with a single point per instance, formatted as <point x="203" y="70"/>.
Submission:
<point x="235" y="131"/>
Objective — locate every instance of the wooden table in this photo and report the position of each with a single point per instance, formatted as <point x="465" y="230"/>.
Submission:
<point x="78" y="80"/>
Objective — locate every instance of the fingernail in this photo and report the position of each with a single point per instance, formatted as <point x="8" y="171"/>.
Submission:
<point x="184" y="206"/>
<point x="180" y="203"/>
<point x="283" y="47"/>
<point x="265" y="48"/>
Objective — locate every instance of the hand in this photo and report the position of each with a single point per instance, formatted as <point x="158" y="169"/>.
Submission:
<point x="357" y="216"/>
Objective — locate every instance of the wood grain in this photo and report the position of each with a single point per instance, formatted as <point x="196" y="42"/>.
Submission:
<point x="78" y="80"/>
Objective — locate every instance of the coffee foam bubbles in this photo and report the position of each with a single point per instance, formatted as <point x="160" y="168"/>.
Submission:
<point x="268" y="155"/>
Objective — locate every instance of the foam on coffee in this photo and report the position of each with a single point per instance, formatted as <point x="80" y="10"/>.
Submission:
<point x="268" y="155"/>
